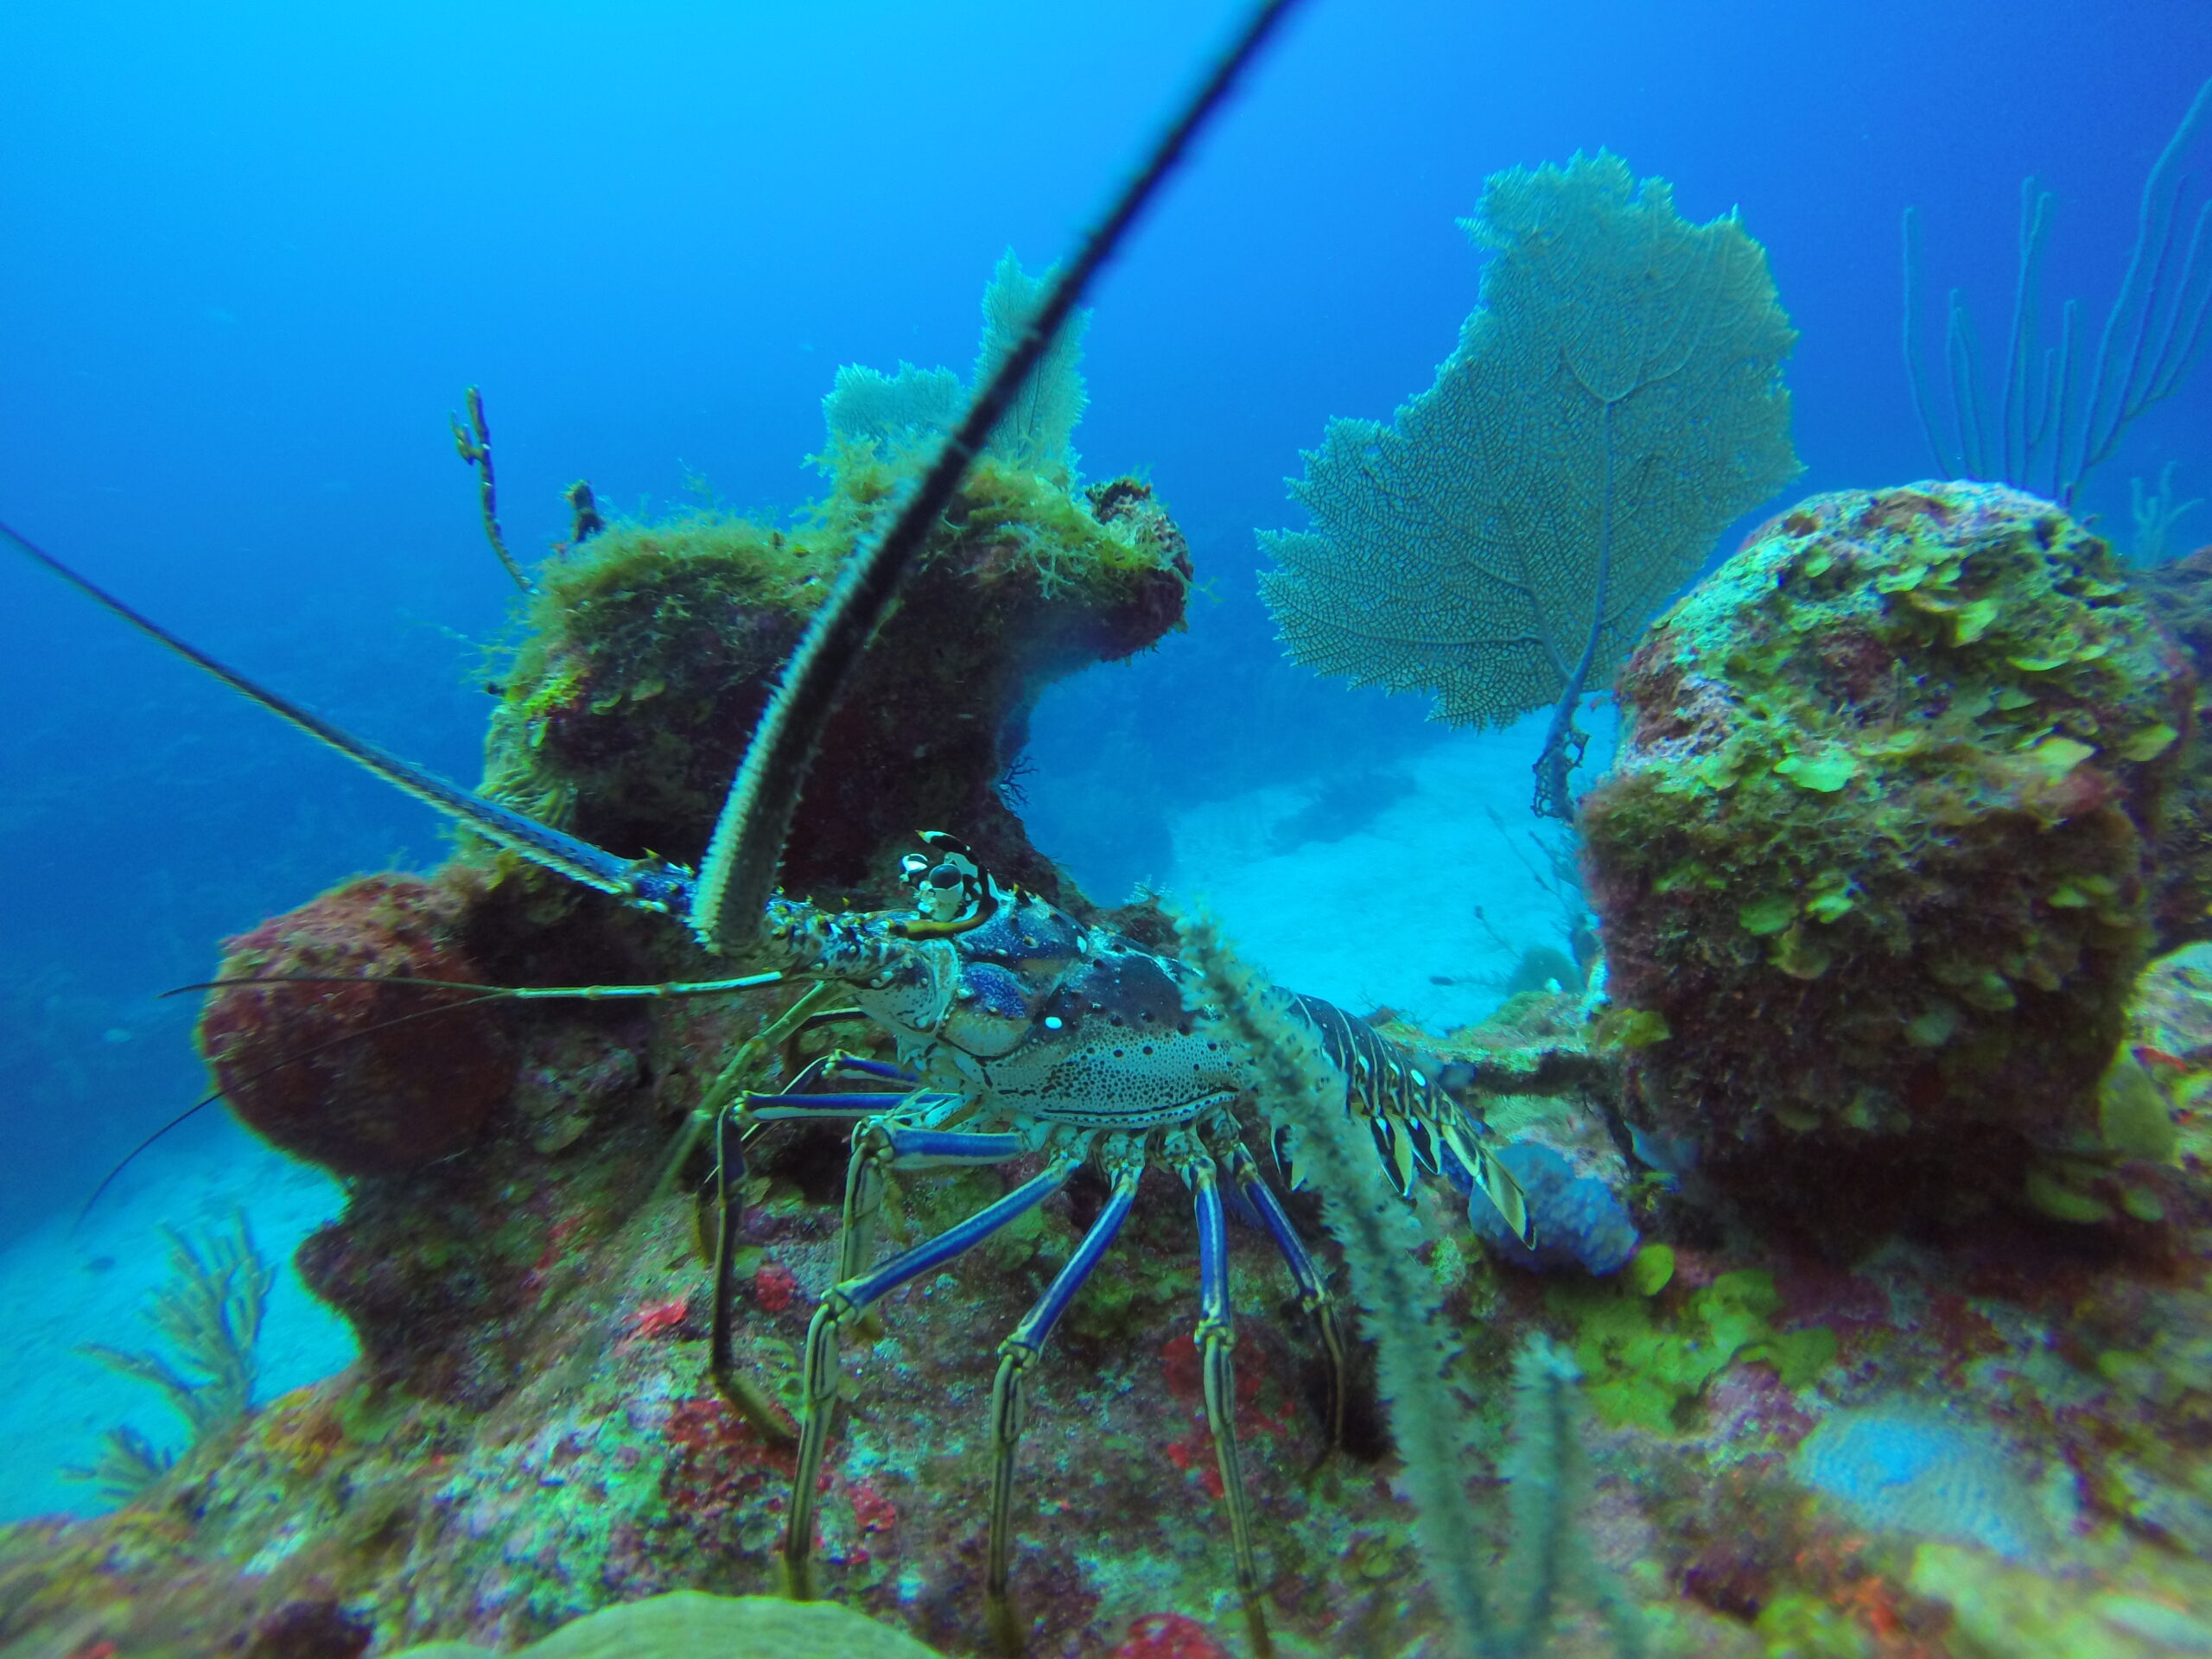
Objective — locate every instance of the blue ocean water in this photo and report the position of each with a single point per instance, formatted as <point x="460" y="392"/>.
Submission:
<point x="255" y="252"/>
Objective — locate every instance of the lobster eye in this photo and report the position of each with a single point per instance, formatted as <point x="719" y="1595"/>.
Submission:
<point x="946" y="875"/>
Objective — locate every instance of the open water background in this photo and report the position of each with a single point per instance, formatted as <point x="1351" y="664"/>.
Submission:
<point x="254" y="252"/>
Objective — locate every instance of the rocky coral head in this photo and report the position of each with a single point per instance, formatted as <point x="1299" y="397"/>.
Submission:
<point x="2179" y="593"/>
<point x="1873" y="856"/>
<point x="654" y="649"/>
<point x="334" y="1064"/>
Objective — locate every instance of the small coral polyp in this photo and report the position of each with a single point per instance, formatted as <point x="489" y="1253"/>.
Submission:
<point x="335" y="1066"/>
<point x="1874" y="847"/>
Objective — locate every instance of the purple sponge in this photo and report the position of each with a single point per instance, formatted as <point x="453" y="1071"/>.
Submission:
<point x="1578" y="1221"/>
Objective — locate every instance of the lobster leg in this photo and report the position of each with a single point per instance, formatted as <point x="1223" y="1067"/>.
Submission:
<point x="733" y="1385"/>
<point x="731" y="1127"/>
<point x="852" y="1297"/>
<point x="881" y="1144"/>
<point x="1313" y="1290"/>
<point x="1124" y="1162"/>
<point x="1216" y="1337"/>
<point x="853" y="1066"/>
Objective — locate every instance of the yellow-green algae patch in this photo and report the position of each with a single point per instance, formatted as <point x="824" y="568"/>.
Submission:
<point x="687" y="1624"/>
<point x="1647" y="1366"/>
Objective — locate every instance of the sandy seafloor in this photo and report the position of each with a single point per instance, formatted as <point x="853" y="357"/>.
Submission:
<point x="1383" y="914"/>
<point x="70" y="1283"/>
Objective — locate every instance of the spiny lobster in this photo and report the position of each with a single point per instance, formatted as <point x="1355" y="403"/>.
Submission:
<point x="1021" y="1032"/>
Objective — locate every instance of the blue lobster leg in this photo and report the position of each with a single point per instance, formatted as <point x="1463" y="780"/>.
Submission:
<point x="838" y="1065"/>
<point x="771" y="1109"/>
<point x="1313" y="1290"/>
<point x="853" y="1065"/>
<point x="1124" y="1161"/>
<point x="1217" y="1338"/>
<point x="805" y="1097"/>
<point x="731" y="1128"/>
<point x="881" y="1145"/>
<point x="852" y="1297"/>
<point x="815" y="1077"/>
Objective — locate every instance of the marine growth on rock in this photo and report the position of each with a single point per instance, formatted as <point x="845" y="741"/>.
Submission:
<point x="333" y="1064"/>
<point x="654" y="647"/>
<point x="1871" y="865"/>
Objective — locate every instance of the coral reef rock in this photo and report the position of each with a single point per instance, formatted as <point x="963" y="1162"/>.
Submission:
<point x="534" y="1435"/>
<point x="655" y="647"/>
<point x="336" y="1065"/>
<point x="684" y="1624"/>
<point x="2179" y="593"/>
<point x="1871" y="866"/>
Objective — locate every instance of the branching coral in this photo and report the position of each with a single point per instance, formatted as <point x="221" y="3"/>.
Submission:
<point x="1549" y="1479"/>
<point x="1036" y="432"/>
<point x="129" y="1462"/>
<point x="474" y="445"/>
<point x="210" y="1311"/>
<point x="892" y="412"/>
<point x="898" y="413"/>
<point x="2155" y="512"/>
<point x="2059" y="413"/>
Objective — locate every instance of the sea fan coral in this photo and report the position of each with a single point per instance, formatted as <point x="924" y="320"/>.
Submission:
<point x="1615" y="400"/>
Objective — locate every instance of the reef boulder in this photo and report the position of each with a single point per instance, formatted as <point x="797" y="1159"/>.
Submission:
<point x="333" y="1061"/>
<point x="2179" y="593"/>
<point x="654" y="647"/>
<point x="1871" y="863"/>
<point x="685" y="1624"/>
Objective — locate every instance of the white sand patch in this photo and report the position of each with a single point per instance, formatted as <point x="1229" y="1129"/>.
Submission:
<point x="1386" y="915"/>
<point x="63" y="1286"/>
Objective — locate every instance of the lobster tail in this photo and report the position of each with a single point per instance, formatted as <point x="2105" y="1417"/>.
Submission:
<point x="1415" y="1124"/>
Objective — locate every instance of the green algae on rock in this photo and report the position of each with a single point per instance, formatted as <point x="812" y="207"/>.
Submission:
<point x="653" y="648"/>
<point x="1650" y="1368"/>
<point x="2179" y="594"/>
<point x="685" y="1624"/>
<point x="1874" y="847"/>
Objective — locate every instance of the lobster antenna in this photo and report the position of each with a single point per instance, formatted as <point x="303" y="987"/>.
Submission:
<point x="672" y="990"/>
<point x="644" y="883"/>
<point x="740" y="868"/>
<point x="130" y="1157"/>
<point x="485" y="993"/>
<point x="489" y="994"/>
